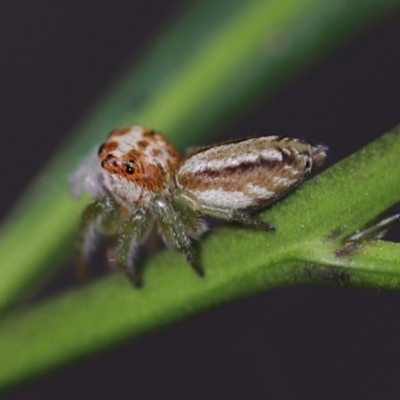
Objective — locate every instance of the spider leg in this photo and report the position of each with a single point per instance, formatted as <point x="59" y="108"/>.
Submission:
<point x="194" y="226"/>
<point x="98" y="217"/>
<point x="230" y="214"/>
<point x="132" y="232"/>
<point x="174" y="232"/>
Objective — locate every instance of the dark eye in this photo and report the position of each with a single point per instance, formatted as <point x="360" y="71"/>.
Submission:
<point x="130" y="169"/>
<point x="101" y="148"/>
<point x="110" y="159"/>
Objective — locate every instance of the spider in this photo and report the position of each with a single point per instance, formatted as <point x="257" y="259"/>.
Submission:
<point x="139" y="182"/>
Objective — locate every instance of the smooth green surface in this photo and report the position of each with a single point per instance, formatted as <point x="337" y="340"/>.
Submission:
<point x="312" y="225"/>
<point x="205" y="72"/>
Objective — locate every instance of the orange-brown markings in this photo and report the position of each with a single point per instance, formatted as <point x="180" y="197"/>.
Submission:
<point x="172" y="150"/>
<point x="174" y="156"/>
<point x="148" y="176"/>
<point x="142" y="144"/>
<point x="145" y="175"/>
<point x="133" y="166"/>
<point x="148" y="132"/>
<point x="153" y="178"/>
<point x="120" y="132"/>
<point x="113" y="165"/>
<point x="156" y="152"/>
<point x="108" y="147"/>
<point x="158" y="137"/>
<point x="172" y="164"/>
<point x="135" y="155"/>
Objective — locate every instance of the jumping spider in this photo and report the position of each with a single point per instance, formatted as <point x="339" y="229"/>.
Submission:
<point x="139" y="181"/>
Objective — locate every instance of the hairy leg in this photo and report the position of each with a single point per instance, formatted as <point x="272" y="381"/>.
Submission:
<point x="173" y="229"/>
<point x="99" y="216"/>
<point x="132" y="232"/>
<point x="193" y="224"/>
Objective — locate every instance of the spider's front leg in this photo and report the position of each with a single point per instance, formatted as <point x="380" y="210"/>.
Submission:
<point x="176" y="225"/>
<point x="230" y="214"/>
<point x="101" y="216"/>
<point x="132" y="232"/>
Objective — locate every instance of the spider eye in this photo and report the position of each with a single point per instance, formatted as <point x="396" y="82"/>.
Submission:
<point x="130" y="169"/>
<point x="101" y="148"/>
<point x="108" y="161"/>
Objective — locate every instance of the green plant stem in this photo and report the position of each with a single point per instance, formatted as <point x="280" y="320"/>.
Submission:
<point x="308" y="247"/>
<point x="374" y="264"/>
<point x="207" y="70"/>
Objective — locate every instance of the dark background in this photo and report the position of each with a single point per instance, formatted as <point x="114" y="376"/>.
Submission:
<point x="295" y="343"/>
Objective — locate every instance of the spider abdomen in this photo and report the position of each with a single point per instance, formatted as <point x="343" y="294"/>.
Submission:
<point x="249" y="173"/>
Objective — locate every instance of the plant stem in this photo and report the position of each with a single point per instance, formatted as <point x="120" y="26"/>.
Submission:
<point x="309" y="246"/>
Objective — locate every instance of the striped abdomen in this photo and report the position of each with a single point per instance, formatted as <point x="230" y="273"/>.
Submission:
<point x="249" y="173"/>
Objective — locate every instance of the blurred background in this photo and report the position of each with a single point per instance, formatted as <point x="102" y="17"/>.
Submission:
<point x="294" y="343"/>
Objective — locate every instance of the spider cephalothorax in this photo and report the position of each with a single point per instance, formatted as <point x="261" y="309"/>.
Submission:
<point x="139" y="181"/>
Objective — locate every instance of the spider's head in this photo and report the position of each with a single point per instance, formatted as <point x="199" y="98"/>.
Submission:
<point x="117" y="164"/>
<point x="140" y="158"/>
